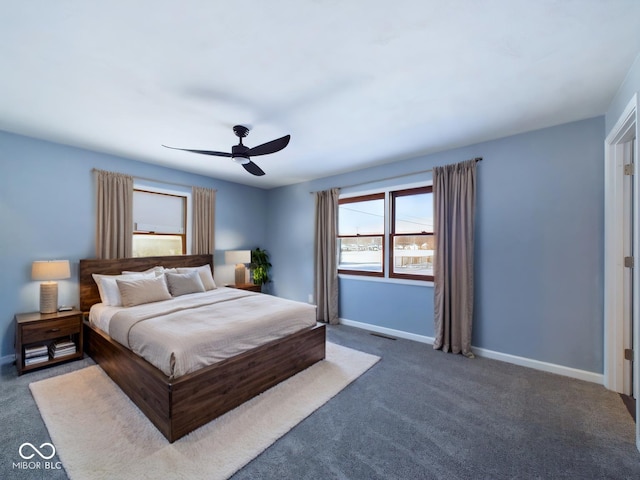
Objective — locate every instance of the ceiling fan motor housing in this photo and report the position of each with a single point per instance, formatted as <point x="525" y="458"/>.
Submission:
<point x="239" y="154"/>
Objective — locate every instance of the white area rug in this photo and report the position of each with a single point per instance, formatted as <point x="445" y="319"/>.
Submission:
<point x="99" y="433"/>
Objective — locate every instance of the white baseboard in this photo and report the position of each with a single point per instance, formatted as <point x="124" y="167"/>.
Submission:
<point x="483" y="352"/>
<point x="7" y="359"/>
<point x="543" y="366"/>
<point x="387" y="331"/>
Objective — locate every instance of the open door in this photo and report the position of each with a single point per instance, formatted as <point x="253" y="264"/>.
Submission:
<point x="629" y="222"/>
<point x="622" y="262"/>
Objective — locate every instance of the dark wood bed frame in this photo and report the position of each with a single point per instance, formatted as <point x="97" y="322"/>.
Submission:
<point x="177" y="407"/>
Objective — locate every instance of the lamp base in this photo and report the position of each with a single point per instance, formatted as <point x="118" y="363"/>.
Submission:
<point x="240" y="274"/>
<point x="49" y="297"/>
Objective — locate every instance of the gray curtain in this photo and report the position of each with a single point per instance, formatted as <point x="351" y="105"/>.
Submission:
<point x="454" y="192"/>
<point x="114" y="227"/>
<point x="326" y="258"/>
<point x="204" y="217"/>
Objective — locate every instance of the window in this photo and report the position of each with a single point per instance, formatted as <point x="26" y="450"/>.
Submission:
<point x="402" y="219"/>
<point x="159" y="226"/>
<point x="411" y="236"/>
<point x="361" y="235"/>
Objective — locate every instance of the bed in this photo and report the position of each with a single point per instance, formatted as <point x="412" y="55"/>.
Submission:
<point x="177" y="405"/>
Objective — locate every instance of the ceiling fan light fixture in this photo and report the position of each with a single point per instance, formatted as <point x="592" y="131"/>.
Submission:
<point x="241" y="160"/>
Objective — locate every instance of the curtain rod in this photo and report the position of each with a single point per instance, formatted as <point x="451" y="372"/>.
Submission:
<point x="477" y="159"/>
<point x="154" y="180"/>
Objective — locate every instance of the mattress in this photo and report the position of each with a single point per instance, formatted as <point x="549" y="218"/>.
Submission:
<point x="186" y="333"/>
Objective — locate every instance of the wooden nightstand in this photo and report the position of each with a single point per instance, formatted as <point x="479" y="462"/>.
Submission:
<point x="247" y="286"/>
<point x="44" y="339"/>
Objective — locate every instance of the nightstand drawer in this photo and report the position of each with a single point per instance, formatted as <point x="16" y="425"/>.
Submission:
<point x="50" y="329"/>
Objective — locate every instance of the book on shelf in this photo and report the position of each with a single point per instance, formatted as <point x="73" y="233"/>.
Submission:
<point x="64" y="344"/>
<point x="36" y="360"/>
<point x="35" y="351"/>
<point x="62" y="348"/>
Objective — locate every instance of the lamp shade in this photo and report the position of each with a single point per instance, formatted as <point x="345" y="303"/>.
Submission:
<point x="50" y="270"/>
<point x="237" y="256"/>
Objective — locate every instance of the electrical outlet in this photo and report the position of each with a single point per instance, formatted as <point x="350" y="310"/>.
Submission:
<point x="311" y="298"/>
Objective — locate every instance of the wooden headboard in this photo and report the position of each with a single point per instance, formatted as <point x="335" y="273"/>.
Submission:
<point x="89" y="294"/>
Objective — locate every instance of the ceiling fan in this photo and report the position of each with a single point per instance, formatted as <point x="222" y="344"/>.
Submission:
<point x="241" y="153"/>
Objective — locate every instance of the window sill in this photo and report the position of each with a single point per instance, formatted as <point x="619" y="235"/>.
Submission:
<point x="400" y="281"/>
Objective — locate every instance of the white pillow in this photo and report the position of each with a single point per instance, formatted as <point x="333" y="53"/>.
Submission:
<point x="157" y="270"/>
<point x="205" y="275"/>
<point x="183" y="283"/>
<point x="108" y="288"/>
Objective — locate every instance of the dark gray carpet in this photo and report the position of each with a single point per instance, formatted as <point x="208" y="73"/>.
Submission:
<point x="417" y="414"/>
<point x="21" y="421"/>
<point x="630" y="403"/>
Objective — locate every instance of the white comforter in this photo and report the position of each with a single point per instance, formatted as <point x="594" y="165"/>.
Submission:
<point x="184" y="334"/>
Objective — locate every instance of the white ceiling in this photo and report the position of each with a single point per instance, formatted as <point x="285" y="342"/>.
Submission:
<point x="355" y="82"/>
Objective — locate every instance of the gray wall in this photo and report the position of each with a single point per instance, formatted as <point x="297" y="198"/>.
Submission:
<point x="47" y="212"/>
<point x="539" y="247"/>
<point x="539" y="237"/>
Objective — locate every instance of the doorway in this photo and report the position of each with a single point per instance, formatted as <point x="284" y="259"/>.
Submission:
<point x="622" y="285"/>
<point x="627" y="145"/>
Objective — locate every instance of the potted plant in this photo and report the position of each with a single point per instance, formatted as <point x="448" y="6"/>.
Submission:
<point x="260" y="266"/>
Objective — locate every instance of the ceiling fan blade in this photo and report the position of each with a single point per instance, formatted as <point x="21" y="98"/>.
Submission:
<point x="253" y="169"/>
<point x="269" y="147"/>
<point x="204" y="152"/>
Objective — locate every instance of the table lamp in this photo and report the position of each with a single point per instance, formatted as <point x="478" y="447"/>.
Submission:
<point x="239" y="258"/>
<point x="47" y="271"/>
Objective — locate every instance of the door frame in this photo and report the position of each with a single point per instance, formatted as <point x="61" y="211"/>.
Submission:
<point x="616" y="152"/>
